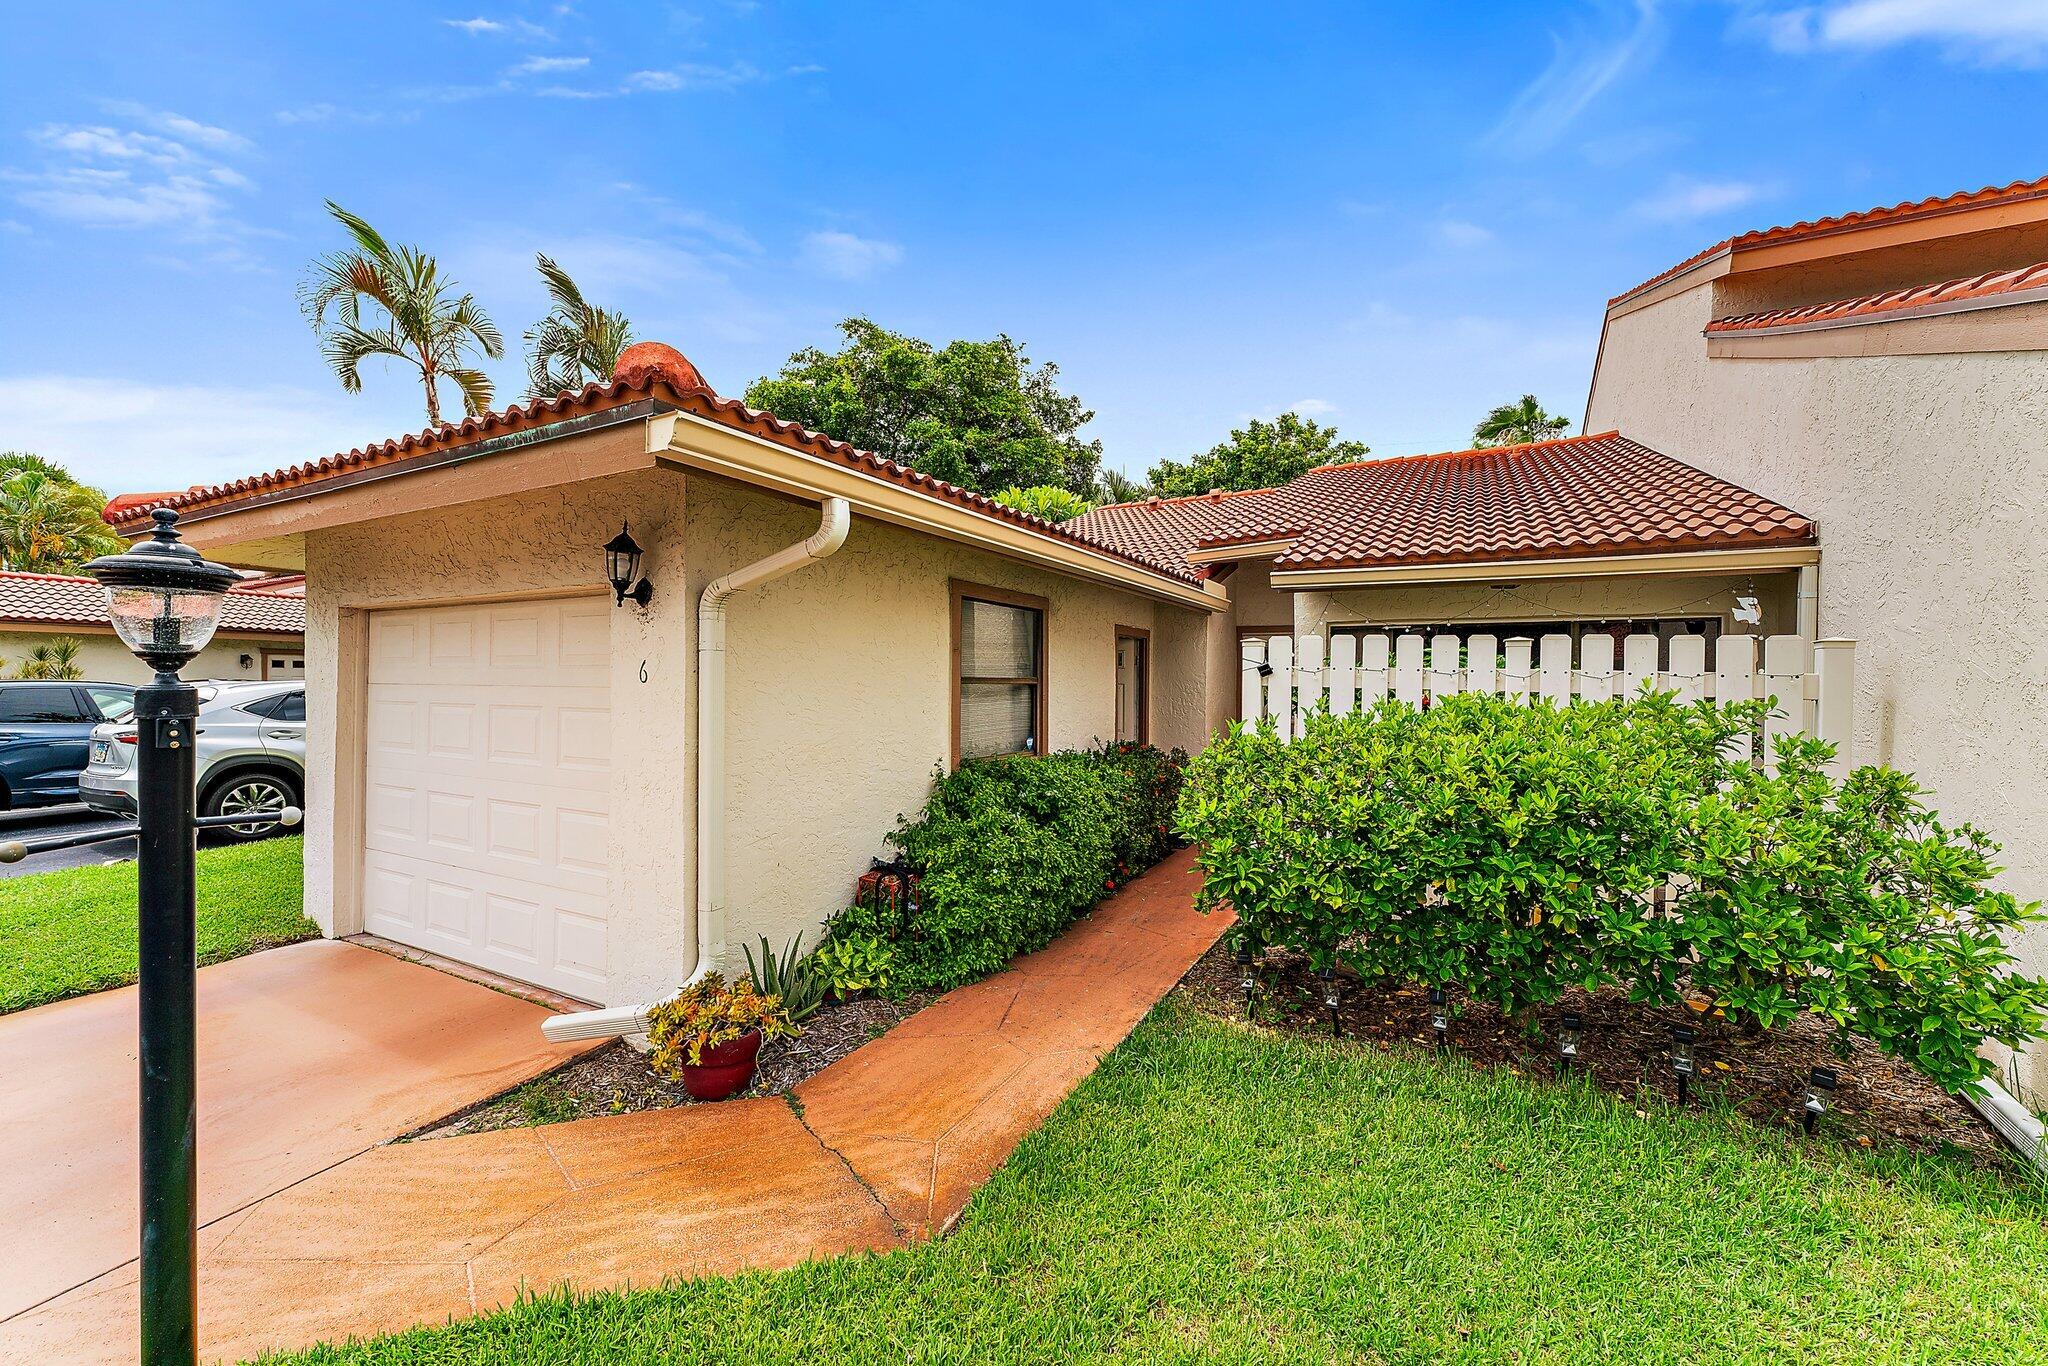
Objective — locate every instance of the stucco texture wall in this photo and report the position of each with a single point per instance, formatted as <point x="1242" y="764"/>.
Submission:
<point x="103" y="658"/>
<point x="1928" y="478"/>
<point x="839" y="690"/>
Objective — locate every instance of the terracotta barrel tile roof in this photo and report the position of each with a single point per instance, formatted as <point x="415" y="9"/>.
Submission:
<point x="1999" y="286"/>
<point x="1164" y="530"/>
<point x="646" y="371"/>
<point x="1918" y="208"/>
<point x="72" y="599"/>
<point x="1577" y="497"/>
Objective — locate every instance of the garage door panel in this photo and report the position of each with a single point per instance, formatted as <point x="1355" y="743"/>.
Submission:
<point x="488" y="787"/>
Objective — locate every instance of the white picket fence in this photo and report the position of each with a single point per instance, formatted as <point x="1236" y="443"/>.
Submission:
<point x="1814" y="682"/>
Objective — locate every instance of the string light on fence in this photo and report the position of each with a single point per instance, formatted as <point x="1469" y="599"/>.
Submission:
<point x="1569" y="1027"/>
<point x="1818" y="1088"/>
<point x="1682" y="1037"/>
<point x="1439" y="1017"/>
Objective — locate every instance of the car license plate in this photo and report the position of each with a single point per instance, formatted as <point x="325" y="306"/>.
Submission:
<point x="100" y="749"/>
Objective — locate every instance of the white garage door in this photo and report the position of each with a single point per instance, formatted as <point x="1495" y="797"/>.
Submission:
<point x="487" y="786"/>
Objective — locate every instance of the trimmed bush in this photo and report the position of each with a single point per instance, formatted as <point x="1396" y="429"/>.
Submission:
<point x="1008" y="851"/>
<point x="1518" y="851"/>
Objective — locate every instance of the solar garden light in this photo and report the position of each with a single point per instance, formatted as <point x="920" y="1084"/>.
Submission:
<point x="1439" y="1020"/>
<point x="1250" y="984"/>
<point x="1682" y="1037"/>
<point x="1569" y="1027"/>
<point x="1819" y="1087"/>
<point x="1332" y="998"/>
<point x="164" y="602"/>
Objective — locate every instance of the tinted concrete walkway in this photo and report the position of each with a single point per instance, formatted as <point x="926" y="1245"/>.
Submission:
<point x="882" y="1148"/>
<point x="308" y="1055"/>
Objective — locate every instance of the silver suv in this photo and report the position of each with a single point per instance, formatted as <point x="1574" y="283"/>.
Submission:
<point x="251" y="755"/>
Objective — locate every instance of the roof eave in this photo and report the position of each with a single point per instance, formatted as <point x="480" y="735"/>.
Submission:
<point x="1731" y="560"/>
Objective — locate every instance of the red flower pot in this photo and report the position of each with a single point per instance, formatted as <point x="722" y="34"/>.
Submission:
<point x="725" y="1069"/>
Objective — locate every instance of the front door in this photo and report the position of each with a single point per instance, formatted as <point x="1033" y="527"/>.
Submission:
<point x="1133" y="673"/>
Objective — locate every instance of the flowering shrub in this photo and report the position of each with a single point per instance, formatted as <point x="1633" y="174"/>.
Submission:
<point x="708" y="1013"/>
<point x="1008" y="851"/>
<point x="1521" y="850"/>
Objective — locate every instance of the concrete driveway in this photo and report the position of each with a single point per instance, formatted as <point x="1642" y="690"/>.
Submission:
<point x="308" y="1055"/>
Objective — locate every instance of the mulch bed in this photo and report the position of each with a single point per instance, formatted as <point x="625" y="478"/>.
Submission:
<point x="617" y="1079"/>
<point x="1626" y="1049"/>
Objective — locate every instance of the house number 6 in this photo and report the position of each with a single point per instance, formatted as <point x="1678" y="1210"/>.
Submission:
<point x="643" y="671"/>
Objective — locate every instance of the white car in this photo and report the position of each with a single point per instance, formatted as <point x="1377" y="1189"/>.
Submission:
<point x="251" y="755"/>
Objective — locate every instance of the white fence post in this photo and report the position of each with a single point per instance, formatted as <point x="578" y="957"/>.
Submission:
<point x="1735" y="681"/>
<point x="1251" y="695"/>
<point x="1834" y="664"/>
<point x="1343" y="675"/>
<point x="1688" y="673"/>
<point x="1309" y="650"/>
<point x="1482" y="663"/>
<point x="1408" y="668"/>
<point x="1596" y="667"/>
<point x="1555" y="660"/>
<point x="1280" y="685"/>
<point x="1514" y="678"/>
<point x="1638" y="665"/>
<point x="1444" y="668"/>
<point x="1372" y="670"/>
<point x="1787" y="662"/>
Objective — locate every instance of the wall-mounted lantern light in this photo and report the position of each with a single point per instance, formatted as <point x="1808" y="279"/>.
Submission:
<point x="622" y="568"/>
<point x="1439" y="1017"/>
<point x="1569" y="1027"/>
<point x="1818" y="1088"/>
<point x="1682" y="1037"/>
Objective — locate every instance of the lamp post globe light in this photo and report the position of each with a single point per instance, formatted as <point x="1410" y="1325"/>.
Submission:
<point x="164" y="601"/>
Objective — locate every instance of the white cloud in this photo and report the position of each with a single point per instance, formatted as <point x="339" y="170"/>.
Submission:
<point x="1583" y="64"/>
<point x="133" y="437"/>
<point x="1312" y="407"/>
<point x="845" y="256"/>
<point x="178" y="126"/>
<point x="103" y="175"/>
<point x="696" y="76"/>
<point x="1989" y="32"/>
<point x="1457" y="233"/>
<point x="1684" y="199"/>
<point x="534" y="66"/>
<point x="476" y="25"/>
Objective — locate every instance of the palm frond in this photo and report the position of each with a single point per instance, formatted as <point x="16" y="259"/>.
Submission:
<point x="476" y="390"/>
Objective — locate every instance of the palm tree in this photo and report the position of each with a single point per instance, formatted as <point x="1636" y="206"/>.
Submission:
<point x="584" y="341"/>
<point x="1114" y="486"/>
<point x="1517" y="424"/>
<point x="1048" y="501"/>
<point x="391" y="301"/>
<point x="55" y="661"/>
<point x="48" y="524"/>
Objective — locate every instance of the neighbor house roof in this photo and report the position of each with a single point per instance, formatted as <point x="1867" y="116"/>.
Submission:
<point x="647" y="370"/>
<point x="1581" y="496"/>
<point x="2018" y="192"/>
<point x="1995" y="287"/>
<point x="1165" y="530"/>
<point x="72" y="600"/>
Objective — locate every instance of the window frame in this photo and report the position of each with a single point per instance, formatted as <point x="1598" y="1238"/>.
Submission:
<point x="962" y="590"/>
<point x="1144" y="639"/>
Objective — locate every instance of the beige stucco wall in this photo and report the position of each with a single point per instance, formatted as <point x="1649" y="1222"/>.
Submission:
<point x="838" y="689"/>
<point x="103" y="658"/>
<point x="1928" y="477"/>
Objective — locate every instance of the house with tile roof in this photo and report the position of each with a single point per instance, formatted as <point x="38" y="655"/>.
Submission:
<point x="261" y="635"/>
<point x="1886" y="373"/>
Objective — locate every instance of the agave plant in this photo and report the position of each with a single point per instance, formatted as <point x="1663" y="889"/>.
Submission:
<point x="393" y="301"/>
<point x="793" y="977"/>
<point x="576" y="342"/>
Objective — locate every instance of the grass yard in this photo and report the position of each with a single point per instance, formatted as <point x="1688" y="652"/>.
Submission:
<point x="1214" y="1194"/>
<point x="71" y="931"/>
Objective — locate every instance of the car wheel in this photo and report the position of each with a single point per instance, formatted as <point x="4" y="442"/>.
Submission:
<point x="248" y="794"/>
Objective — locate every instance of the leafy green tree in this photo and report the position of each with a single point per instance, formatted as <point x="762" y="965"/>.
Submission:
<point x="1053" y="504"/>
<point x="576" y="342"/>
<point x="49" y="522"/>
<point x="54" y="661"/>
<point x="1518" y="424"/>
<point x="978" y="414"/>
<point x="1259" y="456"/>
<point x="392" y="301"/>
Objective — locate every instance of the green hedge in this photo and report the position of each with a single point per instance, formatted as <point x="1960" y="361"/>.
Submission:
<point x="1517" y="851"/>
<point x="1008" y="851"/>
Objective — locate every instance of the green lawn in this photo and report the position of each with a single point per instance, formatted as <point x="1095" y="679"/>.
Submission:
<point x="72" y="931"/>
<point x="1217" y="1195"/>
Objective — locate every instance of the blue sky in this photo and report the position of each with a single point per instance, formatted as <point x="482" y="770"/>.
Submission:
<point x="1387" y="216"/>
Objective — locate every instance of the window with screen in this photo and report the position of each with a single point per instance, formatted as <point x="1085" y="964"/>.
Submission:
<point x="999" y="672"/>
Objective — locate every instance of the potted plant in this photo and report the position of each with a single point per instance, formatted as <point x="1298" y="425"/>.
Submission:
<point x="710" y="1033"/>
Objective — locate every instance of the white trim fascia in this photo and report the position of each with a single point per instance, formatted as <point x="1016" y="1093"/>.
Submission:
<point x="810" y="479"/>
<point x="1601" y="566"/>
<point x="1242" y="550"/>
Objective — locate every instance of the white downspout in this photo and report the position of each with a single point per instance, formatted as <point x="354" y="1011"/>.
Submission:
<point x="831" y="534"/>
